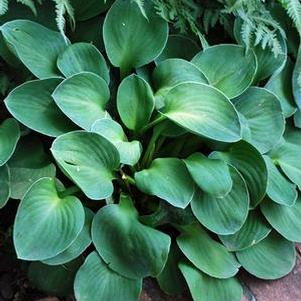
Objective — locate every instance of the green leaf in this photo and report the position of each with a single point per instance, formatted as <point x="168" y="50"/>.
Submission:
<point x="252" y="232"/>
<point x="261" y="116"/>
<point x="296" y="80"/>
<point x="272" y="258"/>
<point x="5" y="189"/>
<point x="279" y="189"/>
<point x="57" y="222"/>
<point x="129" y="152"/>
<point x="204" y="288"/>
<point x="223" y="214"/>
<point x="96" y="281"/>
<point x="211" y="175"/>
<point x="126" y="50"/>
<point x="135" y="102"/>
<point x="202" y="110"/>
<point x="202" y="251"/>
<point x="83" y="97"/>
<point x="144" y="250"/>
<point x="35" y="45"/>
<point x="39" y="112"/>
<point x="9" y="137"/>
<point x="233" y="70"/>
<point x="174" y="48"/>
<point x="249" y="162"/>
<point x="89" y="160"/>
<point x="168" y="179"/>
<point x="54" y="280"/>
<point x="83" y="57"/>
<point x="28" y="164"/>
<point x="284" y="219"/>
<point x="281" y="85"/>
<point x="78" y="246"/>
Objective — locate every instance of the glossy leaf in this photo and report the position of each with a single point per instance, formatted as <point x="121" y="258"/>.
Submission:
<point x="5" y="188"/>
<point x="144" y="250"/>
<point x="233" y="70"/>
<point x="89" y="160"/>
<point x="223" y="214"/>
<point x="126" y="51"/>
<point x="203" y="110"/>
<point x="35" y="45"/>
<point x="272" y="258"/>
<point x="202" y="251"/>
<point x="129" y="151"/>
<point x="96" y="281"/>
<point x="83" y="97"/>
<point x="39" y="112"/>
<point x="57" y="222"/>
<point x="168" y="179"/>
<point x="296" y="80"/>
<point x="83" y="57"/>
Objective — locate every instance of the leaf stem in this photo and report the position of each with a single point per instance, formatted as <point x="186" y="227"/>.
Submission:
<point x="69" y="191"/>
<point x="153" y="123"/>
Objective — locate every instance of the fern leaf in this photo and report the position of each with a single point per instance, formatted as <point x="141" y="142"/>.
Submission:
<point x="30" y="4"/>
<point x="140" y="4"/>
<point x="294" y="11"/>
<point x="3" y="7"/>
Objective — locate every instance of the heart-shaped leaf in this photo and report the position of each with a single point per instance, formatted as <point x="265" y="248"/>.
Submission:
<point x="261" y="116"/>
<point x="129" y="151"/>
<point x="39" y="112"/>
<point x="202" y="110"/>
<point x="126" y="50"/>
<point x="135" y="102"/>
<point x="96" y="281"/>
<point x="202" y="250"/>
<point x="89" y="160"/>
<point x="284" y="219"/>
<point x="35" y="45"/>
<point x="252" y="232"/>
<point x="83" y="57"/>
<point x="233" y="70"/>
<point x="168" y="179"/>
<point x="272" y="258"/>
<point x="5" y="189"/>
<point x="83" y="97"/>
<point x="204" y="288"/>
<point x="57" y="222"/>
<point x="223" y="214"/>
<point x="9" y="136"/>
<point x="144" y="250"/>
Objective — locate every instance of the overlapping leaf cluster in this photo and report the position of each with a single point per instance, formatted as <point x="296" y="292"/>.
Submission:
<point x="185" y="163"/>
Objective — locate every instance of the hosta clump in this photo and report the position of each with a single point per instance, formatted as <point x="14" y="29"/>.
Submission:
<point x="185" y="167"/>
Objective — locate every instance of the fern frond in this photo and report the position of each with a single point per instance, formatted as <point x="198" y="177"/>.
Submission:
<point x="294" y="11"/>
<point x="140" y="4"/>
<point x="30" y="4"/>
<point x="3" y="7"/>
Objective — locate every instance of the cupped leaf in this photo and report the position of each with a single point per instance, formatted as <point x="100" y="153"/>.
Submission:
<point x="296" y="80"/>
<point x="250" y="163"/>
<point x="211" y="175"/>
<point x="5" y="188"/>
<point x="233" y="69"/>
<point x="168" y="179"/>
<point x="261" y="116"/>
<point x="35" y="45"/>
<point x="223" y="214"/>
<point x="204" y="288"/>
<point x="285" y="220"/>
<point x="272" y="258"/>
<point x="83" y="97"/>
<point x="129" y="152"/>
<point x="80" y="244"/>
<point x="126" y="50"/>
<point x="89" y="161"/>
<point x="31" y="104"/>
<point x="279" y="189"/>
<point x="144" y="250"/>
<point x="9" y="137"/>
<point x="202" y="110"/>
<point x="281" y="86"/>
<point x="252" y="232"/>
<point x="96" y="281"/>
<point x="135" y="102"/>
<point x="57" y="222"/>
<point x="202" y="251"/>
<point x="83" y="57"/>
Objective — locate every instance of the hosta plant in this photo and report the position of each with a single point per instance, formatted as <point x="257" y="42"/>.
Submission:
<point x="144" y="155"/>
